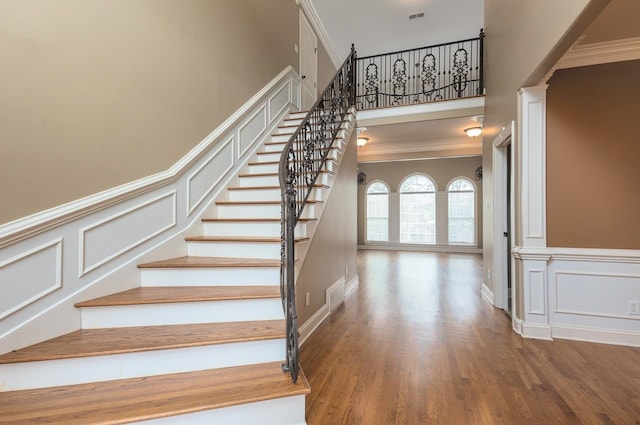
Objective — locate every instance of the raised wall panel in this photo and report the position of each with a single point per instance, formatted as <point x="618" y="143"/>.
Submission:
<point x="132" y="227"/>
<point x="30" y="276"/>
<point x="208" y="175"/>
<point x="595" y="294"/>
<point x="537" y="299"/>
<point x="251" y="130"/>
<point x="279" y="101"/>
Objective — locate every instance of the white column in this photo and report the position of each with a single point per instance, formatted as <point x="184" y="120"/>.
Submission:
<point x="532" y="212"/>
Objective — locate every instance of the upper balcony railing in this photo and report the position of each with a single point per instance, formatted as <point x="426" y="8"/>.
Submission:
<point x="427" y="74"/>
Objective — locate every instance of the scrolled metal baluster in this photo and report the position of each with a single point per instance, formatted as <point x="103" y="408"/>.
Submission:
<point x="460" y="70"/>
<point x="399" y="80"/>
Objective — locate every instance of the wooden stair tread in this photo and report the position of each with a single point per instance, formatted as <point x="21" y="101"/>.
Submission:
<point x="98" y="342"/>
<point x="138" y="399"/>
<point x="178" y="294"/>
<point x="193" y="262"/>
<point x="252" y="220"/>
<point x="240" y="239"/>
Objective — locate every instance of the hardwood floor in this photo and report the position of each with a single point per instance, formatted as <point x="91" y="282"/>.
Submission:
<point x="416" y="344"/>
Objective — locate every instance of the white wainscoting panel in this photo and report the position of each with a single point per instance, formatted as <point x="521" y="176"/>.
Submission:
<point x="30" y="276"/>
<point x="134" y="226"/>
<point x="537" y="291"/>
<point x="251" y="130"/>
<point x="207" y="176"/>
<point x="279" y="101"/>
<point x="107" y="234"/>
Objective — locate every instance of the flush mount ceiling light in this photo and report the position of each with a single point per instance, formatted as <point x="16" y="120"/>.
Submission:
<point x="362" y="141"/>
<point x="473" y="131"/>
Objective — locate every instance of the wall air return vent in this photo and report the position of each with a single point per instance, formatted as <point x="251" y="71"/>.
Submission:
<point x="416" y="15"/>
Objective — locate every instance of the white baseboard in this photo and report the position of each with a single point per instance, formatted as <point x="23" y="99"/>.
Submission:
<point x="516" y="325"/>
<point x="536" y="331"/>
<point x="422" y="248"/>
<point x="352" y="285"/>
<point x="313" y="322"/>
<point x="487" y="294"/>
<point x="602" y="336"/>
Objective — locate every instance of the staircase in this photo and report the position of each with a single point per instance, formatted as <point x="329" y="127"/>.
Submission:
<point x="201" y="341"/>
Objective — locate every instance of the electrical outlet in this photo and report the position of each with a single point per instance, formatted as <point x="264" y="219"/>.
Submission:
<point x="634" y="307"/>
<point x="307" y="299"/>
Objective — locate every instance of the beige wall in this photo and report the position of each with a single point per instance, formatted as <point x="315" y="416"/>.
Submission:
<point x="334" y="243"/>
<point x="524" y="39"/>
<point x="326" y="70"/>
<point x="98" y="93"/>
<point x="442" y="171"/>
<point x="592" y="157"/>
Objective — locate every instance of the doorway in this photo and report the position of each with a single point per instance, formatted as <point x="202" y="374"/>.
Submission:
<point x="308" y="62"/>
<point x="503" y="225"/>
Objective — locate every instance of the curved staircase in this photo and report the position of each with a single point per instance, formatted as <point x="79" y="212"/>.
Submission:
<point x="201" y="341"/>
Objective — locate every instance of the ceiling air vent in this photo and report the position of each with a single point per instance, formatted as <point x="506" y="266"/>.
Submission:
<point x="416" y="15"/>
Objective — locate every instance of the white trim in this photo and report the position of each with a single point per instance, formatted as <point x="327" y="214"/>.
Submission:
<point x="424" y="111"/>
<point x="516" y="325"/>
<point x="487" y="294"/>
<point x="461" y="249"/>
<point x="599" y="53"/>
<point x="579" y="254"/>
<point x="32" y="225"/>
<point x="312" y="323"/>
<point x="602" y="336"/>
<point x="536" y="331"/>
<point x="351" y="286"/>
<point x="500" y="208"/>
<point x="317" y="25"/>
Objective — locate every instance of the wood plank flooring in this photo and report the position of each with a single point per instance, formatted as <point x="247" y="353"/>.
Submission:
<point x="416" y="345"/>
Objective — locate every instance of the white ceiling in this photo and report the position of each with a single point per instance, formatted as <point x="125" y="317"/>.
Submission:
<point x="383" y="26"/>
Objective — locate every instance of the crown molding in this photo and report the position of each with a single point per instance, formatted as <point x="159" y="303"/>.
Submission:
<point x="312" y="14"/>
<point x="600" y="53"/>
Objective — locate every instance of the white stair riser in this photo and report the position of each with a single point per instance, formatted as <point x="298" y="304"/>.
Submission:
<point x="265" y="194"/>
<point x="267" y="250"/>
<point x="275" y="156"/>
<point x="264" y="168"/>
<point x="293" y="121"/>
<point x="229" y="276"/>
<point x="282" y="137"/>
<point x="51" y="373"/>
<point x="265" y="211"/>
<point x="264" y="229"/>
<point x="279" y="411"/>
<point x="181" y="313"/>
<point x="258" y="180"/>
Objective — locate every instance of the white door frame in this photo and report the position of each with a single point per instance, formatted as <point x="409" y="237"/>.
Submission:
<point x="500" y="209"/>
<point x="309" y="76"/>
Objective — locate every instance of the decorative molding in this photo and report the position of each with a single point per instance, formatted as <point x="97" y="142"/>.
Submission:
<point x="211" y="182"/>
<point x="315" y="21"/>
<point x="279" y="101"/>
<point x="487" y="294"/>
<point x="32" y="225"/>
<point x="536" y="331"/>
<point x="537" y="291"/>
<point x="600" y="53"/>
<point x="56" y="275"/>
<point x="532" y="143"/>
<point x="578" y="254"/>
<point x="252" y="129"/>
<point x="84" y="268"/>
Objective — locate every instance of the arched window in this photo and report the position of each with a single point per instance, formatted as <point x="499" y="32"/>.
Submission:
<point x="462" y="222"/>
<point x="417" y="210"/>
<point x="377" y="212"/>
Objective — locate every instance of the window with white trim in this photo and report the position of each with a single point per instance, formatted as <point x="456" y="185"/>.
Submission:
<point x="418" y="210"/>
<point x="377" y="212"/>
<point x="461" y="196"/>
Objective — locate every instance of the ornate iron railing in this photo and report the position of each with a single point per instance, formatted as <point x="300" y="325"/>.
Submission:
<point x="428" y="74"/>
<point x="302" y="160"/>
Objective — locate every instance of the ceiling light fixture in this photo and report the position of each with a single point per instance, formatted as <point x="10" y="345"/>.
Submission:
<point x="362" y="141"/>
<point x="473" y="131"/>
